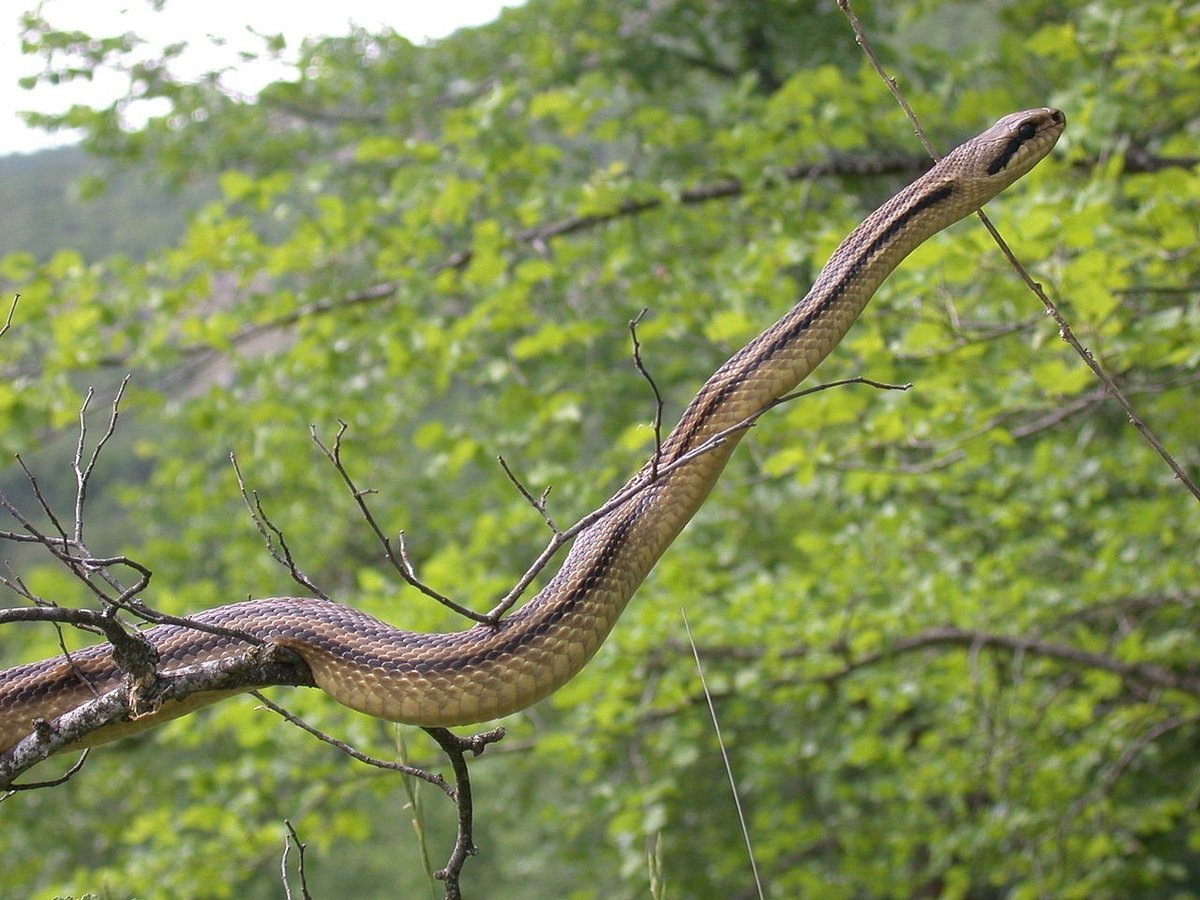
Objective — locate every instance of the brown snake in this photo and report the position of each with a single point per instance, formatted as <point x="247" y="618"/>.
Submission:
<point x="484" y="672"/>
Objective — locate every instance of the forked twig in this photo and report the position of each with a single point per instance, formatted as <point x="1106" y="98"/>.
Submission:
<point x="538" y="503"/>
<point x="456" y="748"/>
<point x="397" y="556"/>
<point x="66" y="776"/>
<point x="277" y="545"/>
<point x="293" y="838"/>
<point x="83" y="473"/>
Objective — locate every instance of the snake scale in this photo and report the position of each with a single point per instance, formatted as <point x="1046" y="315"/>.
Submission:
<point x="485" y="672"/>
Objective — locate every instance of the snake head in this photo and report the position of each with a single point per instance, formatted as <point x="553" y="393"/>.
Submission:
<point x="1015" y="144"/>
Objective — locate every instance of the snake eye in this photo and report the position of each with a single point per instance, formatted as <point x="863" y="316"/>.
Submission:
<point x="1027" y="130"/>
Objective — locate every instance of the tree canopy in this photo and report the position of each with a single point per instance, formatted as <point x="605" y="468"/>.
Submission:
<point x="950" y="633"/>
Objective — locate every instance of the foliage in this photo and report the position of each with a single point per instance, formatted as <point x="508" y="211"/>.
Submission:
<point x="377" y="255"/>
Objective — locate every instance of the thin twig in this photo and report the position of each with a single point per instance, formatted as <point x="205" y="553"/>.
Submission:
<point x="80" y="563"/>
<point x="538" y="503"/>
<point x="436" y="780"/>
<point x="1118" y="768"/>
<point x="12" y="788"/>
<point x="1065" y="332"/>
<point x="658" y="400"/>
<point x="11" y="312"/>
<point x="277" y="545"/>
<point x="398" y="558"/>
<point x="860" y="38"/>
<point x="18" y="538"/>
<point x="290" y="838"/>
<point x="83" y="474"/>
<point x="737" y="800"/>
<point x="1145" y="673"/>
<point x="1064" y="328"/>
<point x="42" y="502"/>
<point x="71" y="551"/>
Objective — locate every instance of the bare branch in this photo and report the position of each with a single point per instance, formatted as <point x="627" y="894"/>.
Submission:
<point x="14" y="583"/>
<point x="436" y="780"/>
<point x="64" y="549"/>
<point x="272" y="536"/>
<point x="539" y="235"/>
<point x="257" y="666"/>
<point x="1140" y="675"/>
<point x="18" y="538"/>
<point x="1114" y="772"/>
<point x="90" y="620"/>
<point x="290" y="838"/>
<point x="132" y="653"/>
<point x="538" y="503"/>
<point x="658" y="400"/>
<point x="1148" y="674"/>
<point x="860" y="38"/>
<point x="42" y="502"/>
<point x="1065" y="332"/>
<point x="456" y="748"/>
<point x="84" y="473"/>
<point x="71" y="550"/>
<point x="53" y="782"/>
<point x="398" y="559"/>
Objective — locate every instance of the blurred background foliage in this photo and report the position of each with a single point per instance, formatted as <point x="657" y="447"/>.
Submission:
<point x="951" y="632"/>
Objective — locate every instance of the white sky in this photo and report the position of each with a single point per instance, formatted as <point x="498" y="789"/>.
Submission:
<point x="194" y="21"/>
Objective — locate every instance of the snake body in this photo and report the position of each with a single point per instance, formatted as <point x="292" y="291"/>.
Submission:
<point x="485" y="672"/>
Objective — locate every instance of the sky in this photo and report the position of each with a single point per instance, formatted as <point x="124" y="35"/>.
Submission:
<point x="196" y="21"/>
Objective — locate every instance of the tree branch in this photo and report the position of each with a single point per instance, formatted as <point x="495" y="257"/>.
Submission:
<point x="1144" y="674"/>
<point x="1148" y="674"/>
<point x="257" y="666"/>
<point x="436" y="780"/>
<point x="464" y="846"/>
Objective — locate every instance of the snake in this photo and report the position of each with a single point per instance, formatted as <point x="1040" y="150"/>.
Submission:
<point x="488" y="671"/>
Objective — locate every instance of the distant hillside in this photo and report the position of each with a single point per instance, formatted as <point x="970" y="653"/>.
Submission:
<point x="43" y="210"/>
